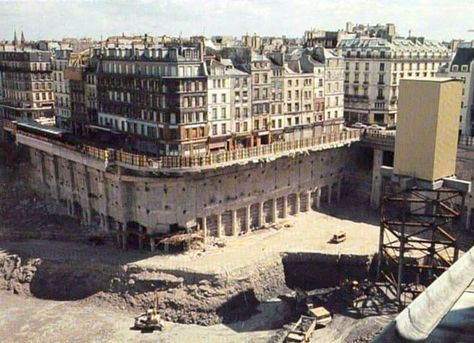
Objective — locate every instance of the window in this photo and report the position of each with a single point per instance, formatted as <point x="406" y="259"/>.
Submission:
<point x="380" y="93"/>
<point x="237" y="127"/>
<point x="223" y="112"/>
<point x="455" y="68"/>
<point x="214" y="98"/>
<point x="214" y="129"/>
<point x="367" y="66"/>
<point x="223" y="97"/>
<point x="223" y="128"/>
<point x="382" y="66"/>
<point x="214" y="113"/>
<point x="245" y="126"/>
<point x="464" y="68"/>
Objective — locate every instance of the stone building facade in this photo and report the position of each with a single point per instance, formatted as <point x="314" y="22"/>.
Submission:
<point x="62" y="100"/>
<point x="373" y="69"/>
<point x="462" y="68"/>
<point x="26" y="89"/>
<point x="156" y="96"/>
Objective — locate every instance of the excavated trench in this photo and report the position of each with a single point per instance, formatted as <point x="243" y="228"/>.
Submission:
<point x="185" y="297"/>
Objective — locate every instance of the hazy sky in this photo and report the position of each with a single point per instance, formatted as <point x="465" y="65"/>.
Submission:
<point x="437" y="19"/>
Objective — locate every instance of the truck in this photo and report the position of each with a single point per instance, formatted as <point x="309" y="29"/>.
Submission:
<point x="323" y="316"/>
<point x="302" y="330"/>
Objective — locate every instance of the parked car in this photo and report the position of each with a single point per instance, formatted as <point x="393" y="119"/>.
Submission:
<point x="359" y="125"/>
<point x="375" y="127"/>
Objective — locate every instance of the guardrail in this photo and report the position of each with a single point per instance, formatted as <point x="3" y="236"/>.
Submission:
<point x="206" y="159"/>
<point x="466" y="141"/>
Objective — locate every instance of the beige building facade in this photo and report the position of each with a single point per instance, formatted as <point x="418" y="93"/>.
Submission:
<point x="374" y="68"/>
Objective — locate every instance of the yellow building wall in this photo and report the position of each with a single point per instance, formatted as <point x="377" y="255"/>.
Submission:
<point x="427" y="128"/>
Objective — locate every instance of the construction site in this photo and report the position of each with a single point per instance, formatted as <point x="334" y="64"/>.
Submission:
<point x="327" y="239"/>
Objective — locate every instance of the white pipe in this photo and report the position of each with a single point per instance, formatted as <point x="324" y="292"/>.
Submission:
<point x="420" y="318"/>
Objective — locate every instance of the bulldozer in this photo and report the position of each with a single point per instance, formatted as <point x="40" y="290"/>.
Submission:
<point x="150" y="320"/>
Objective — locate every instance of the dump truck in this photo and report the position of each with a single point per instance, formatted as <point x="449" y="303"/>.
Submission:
<point x="323" y="316"/>
<point x="302" y="330"/>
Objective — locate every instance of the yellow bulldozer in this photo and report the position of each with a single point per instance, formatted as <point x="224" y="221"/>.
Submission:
<point x="151" y="319"/>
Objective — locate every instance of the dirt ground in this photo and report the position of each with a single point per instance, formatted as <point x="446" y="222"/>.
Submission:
<point x="33" y="320"/>
<point x="26" y="319"/>
<point x="308" y="232"/>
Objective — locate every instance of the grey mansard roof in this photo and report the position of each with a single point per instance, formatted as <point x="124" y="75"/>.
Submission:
<point x="397" y="44"/>
<point x="464" y="56"/>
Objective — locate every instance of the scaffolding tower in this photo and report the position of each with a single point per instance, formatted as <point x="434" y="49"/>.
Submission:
<point x="416" y="240"/>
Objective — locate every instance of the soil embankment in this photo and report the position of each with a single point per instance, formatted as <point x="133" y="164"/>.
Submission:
<point x="185" y="297"/>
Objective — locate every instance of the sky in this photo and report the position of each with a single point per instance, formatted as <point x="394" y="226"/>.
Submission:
<point x="55" y="19"/>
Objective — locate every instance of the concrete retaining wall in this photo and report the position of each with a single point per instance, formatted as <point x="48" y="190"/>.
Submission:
<point x="223" y="201"/>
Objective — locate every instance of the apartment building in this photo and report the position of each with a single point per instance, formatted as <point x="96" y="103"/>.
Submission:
<point x="373" y="69"/>
<point x="62" y="106"/>
<point x="462" y="68"/>
<point x="26" y="85"/>
<point x="218" y="106"/>
<point x="277" y="115"/>
<point x="261" y="73"/>
<point x="333" y="87"/>
<point x="240" y="105"/>
<point x="298" y="89"/>
<point x="156" y="95"/>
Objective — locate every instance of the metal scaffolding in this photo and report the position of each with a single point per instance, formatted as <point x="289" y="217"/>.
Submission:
<point x="416" y="244"/>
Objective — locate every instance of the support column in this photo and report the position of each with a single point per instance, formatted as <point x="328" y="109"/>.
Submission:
<point x="376" y="191"/>
<point x="234" y="223"/>
<point x="86" y="216"/>
<point x="56" y="177"/>
<point x="274" y="210"/>
<point x="260" y="214"/>
<point x="70" y="207"/>
<point x="338" y="190"/>
<point x="219" y="226"/>
<point x="468" y="217"/>
<point x="204" y="229"/>
<point x="308" y="201"/>
<point x="124" y="240"/>
<point x="329" y="194"/>
<point x="140" y="237"/>
<point x="117" y="234"/>
<point x="42" y="167"/>
<point x="106" y="223"/>
<point x="247" y="218"/>
<point x="124" y="236"/>
<point x="318" y="198"/>
<point x="297" y="203"/>
<point x="152" y="244"/>
<point x="285" y="206"/>
<point x="105" y="197"/>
